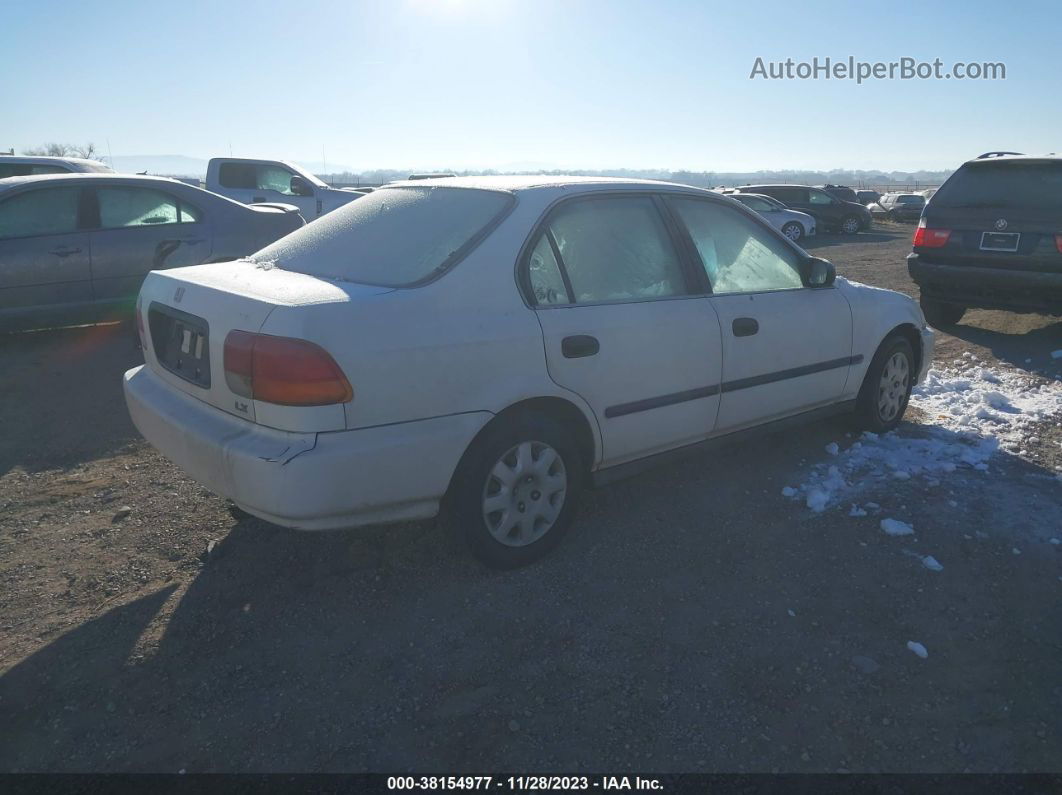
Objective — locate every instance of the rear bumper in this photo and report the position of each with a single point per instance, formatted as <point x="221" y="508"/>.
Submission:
<point x="307" y="481"/>
<point x="988" y="288"/>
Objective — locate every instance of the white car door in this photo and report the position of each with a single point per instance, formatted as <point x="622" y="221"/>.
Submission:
<point x="787" y="347"/>
<point x="622" y="324"/>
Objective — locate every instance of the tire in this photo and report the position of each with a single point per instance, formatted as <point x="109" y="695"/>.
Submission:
<point x="886" y="389"/>
<point x="850" y="225"/>
<point x="534" y="513"/>
<point x="793" y="231"/>
<point x="940" y="314"/>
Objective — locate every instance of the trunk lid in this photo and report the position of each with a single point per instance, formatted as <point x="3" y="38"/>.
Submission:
<point x="188" y="313"/>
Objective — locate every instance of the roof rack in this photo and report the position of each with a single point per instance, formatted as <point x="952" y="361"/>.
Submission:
<point x="438" y="175"/>
<point x="987" y="155"/>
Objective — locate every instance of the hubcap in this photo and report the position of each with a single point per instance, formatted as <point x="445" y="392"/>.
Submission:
<point x="892" y="389"/>
<point x="793" y="232"/>
<point x="524" y="493"/>
<point x="851" y="226"/>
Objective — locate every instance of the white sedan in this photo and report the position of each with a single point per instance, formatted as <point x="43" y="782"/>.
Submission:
<point x="491" y="346"/>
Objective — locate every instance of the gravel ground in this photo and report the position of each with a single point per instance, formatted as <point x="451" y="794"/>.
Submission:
<point x="694" y="620"/>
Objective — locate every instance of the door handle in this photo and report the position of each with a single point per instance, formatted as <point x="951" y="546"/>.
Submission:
<point x="63" y="251"/>
<point x="745" y="326"/>
<point x="579" y="346"/>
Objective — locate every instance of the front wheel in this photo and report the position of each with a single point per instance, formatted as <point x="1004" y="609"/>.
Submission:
<point x="515" y="491"/>
<point x="887" y="386"/>
<point x="793" y="231"/>
<point x="850" y="225"/>
<point x="940" y="314"/>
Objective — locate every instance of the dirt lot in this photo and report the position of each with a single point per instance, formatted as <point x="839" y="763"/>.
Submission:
<point x="694" y="620"/>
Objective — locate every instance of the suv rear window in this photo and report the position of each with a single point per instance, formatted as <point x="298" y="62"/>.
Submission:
<point x="1001" y="184"/>
<point x="393" y="237"/>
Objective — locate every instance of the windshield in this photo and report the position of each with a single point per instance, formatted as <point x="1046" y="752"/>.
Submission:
<point x="1003" y="184"/>
<point x="393" y="237"/>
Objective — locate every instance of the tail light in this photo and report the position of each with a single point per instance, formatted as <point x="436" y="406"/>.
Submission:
<point x="930" y="238"/>
<point x="1058" y="243"/>
<point x="283" y="370"/>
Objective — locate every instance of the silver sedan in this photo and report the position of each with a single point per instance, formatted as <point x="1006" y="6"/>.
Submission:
<point x="792" y="223"/>
<point x="74" y="248"/>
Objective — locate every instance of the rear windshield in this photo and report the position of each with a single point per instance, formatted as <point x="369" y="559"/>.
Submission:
<point x="393" y="237"/>
<point x="910" y="199"/>
<point x="1002" y="184"/>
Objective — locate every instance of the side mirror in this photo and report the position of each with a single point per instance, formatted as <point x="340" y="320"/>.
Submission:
<point x="818" y="272"/>
<point x="300" y="186"/>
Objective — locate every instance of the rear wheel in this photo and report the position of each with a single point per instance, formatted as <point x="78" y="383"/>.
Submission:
<point x="793" y="231"/>
<point x="887" y="386"/>
<point x="850" y="225"/>
<point x="515" y="491"/>
<point x="939" y="313"/>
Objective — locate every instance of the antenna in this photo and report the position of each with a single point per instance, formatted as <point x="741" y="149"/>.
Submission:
<point x="110" y="154"/>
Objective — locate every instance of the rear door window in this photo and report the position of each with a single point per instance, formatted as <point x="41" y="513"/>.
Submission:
<point x="615" y="249"/>
<point x="45" y="211"/>
<point x="123" y="206"/>
<point x="790" y="195"/>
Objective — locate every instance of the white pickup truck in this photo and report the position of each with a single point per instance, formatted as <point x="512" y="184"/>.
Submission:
<point x="255" y="181"/>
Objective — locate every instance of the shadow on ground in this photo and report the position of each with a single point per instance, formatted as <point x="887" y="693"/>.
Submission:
<point x="74" y="377"/>
<point x="694" y="620"/>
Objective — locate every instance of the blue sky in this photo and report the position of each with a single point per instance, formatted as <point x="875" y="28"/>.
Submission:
<point x="493" y="83"/>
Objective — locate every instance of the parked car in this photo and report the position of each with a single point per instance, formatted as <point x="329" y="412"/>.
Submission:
<point x="928" y="193"/>
<point x="842" y="192"/>
<point x="256" y="181"/>
<point x="793" y="224"/>
<point x="829" y="212"/>
<point x="865" y="197"/>
<point x="25" y="166"/>
<point x="990" y="238"/>
<point x="898" y="206"/>
<point x="490" y="346"/>
<point x="75" y="247"/>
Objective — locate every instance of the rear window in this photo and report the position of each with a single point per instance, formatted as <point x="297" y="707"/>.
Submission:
<point x="1002" y="184"/>
<point x="911" y="199"/>
<point x="393" y="237"/>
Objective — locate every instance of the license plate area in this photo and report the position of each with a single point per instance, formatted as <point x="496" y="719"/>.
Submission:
<point x="181" y="343"/>
<point x="999" y="241"/>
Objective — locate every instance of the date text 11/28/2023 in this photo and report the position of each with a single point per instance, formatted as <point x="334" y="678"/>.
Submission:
<point x="522" y="783"/>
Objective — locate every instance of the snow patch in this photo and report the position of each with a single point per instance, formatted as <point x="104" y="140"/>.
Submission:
<point x="894" y="527"/>
<point x="971" y="412"/>
<point x="932" y="563"/>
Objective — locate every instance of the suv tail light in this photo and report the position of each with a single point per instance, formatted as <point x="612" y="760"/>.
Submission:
<point x="1058" y="243"/>
<point x="283" y="370"/>
<point x="930" y="238"/>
